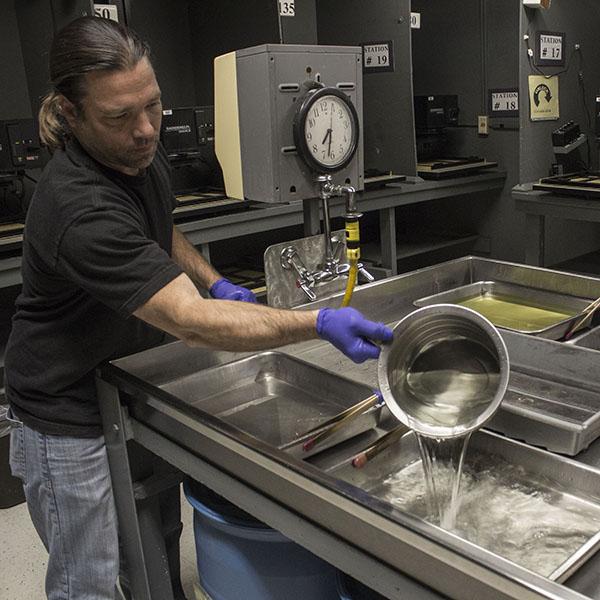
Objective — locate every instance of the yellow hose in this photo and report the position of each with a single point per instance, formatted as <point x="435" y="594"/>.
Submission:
<point x="353" y="255"/>
<point x="351" y="282"/>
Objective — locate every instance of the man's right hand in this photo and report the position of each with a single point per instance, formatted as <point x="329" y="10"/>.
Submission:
<point x="351" y="333"/>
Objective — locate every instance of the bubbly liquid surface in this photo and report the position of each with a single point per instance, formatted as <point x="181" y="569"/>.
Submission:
<point x="513" y="313"/>
<point x="501" y="507"/>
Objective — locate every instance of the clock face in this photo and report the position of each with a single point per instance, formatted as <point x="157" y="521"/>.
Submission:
<point x="329" y="130"/>
<point x="326" y="130"/>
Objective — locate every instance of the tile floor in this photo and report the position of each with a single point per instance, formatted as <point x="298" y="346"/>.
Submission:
<point x="23" y="557"/>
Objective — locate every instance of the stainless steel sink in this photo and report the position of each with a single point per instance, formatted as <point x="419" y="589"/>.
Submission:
<point x="277" y="399"/>
<point x="553" y="401"/>
<point x="532" y="507"/>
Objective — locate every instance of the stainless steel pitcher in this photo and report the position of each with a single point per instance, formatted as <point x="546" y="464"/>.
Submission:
<point x="446" y="371"/>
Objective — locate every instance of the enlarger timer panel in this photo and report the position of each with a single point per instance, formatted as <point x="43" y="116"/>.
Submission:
<point x="257" y="94"/>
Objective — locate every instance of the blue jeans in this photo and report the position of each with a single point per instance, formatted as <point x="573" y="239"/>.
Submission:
<point x="69" y="496"/>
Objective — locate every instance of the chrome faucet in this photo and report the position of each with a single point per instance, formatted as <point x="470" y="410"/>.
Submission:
<point x="332" y="267"/>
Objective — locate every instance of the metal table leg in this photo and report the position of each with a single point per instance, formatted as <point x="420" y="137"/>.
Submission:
<point x="535" y="239"/>
<point x="387" y="233"/>
<point x="140" y="530"/>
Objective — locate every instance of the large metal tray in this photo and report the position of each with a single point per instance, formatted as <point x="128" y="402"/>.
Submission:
<point x="519" y="295"/>
<point x="277" y="399"/>
<point x="552" y="479"/>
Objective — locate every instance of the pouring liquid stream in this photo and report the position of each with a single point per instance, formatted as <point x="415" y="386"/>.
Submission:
<point x="442" y="462"/>
<point x="450" y="381"/>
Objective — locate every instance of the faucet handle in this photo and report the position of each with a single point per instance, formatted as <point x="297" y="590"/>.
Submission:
<point x="290" y="260"/>
<point x="338" y="246"/>
<point x="365" y="273"/>
<point x="304" y="287"/>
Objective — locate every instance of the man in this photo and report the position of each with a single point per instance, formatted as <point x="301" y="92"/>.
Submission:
<point x="105" y="273"/>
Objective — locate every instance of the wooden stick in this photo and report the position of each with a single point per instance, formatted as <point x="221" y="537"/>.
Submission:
<point x="360" y="460"/>
<point x="587" y="312"/>
<point x="339" y="421"/>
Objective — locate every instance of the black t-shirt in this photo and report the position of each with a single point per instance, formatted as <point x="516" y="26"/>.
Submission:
<point x="96" y="247"/>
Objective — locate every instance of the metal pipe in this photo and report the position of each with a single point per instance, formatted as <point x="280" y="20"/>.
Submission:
<point x="349" y="192"/>
<point x="329" y="259"/>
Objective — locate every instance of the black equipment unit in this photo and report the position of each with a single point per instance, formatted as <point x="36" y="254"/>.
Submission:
<point x="19" y="145"/>
<point x="566" y="134"/>
<point x="188" y="135"/>
<point x="433" y="113"/>
<point x="189" y="131"/>
<point x="20" y="149"/>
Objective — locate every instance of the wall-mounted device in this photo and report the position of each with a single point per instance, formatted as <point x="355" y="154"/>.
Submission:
<point x="19" y="145"/>
<point x="259" y="92"/>
<point x="288" y="124"/>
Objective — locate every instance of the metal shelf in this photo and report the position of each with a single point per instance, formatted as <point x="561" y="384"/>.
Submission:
<point x="264" y="217"/>
<point x="416" y="247"/>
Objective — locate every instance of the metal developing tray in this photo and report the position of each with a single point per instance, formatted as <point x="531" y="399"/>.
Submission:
<point x="277" y="399"/>
<point x="554" y="481"/>
<point x="553" y="396"/>
<point x="520" y="295"/>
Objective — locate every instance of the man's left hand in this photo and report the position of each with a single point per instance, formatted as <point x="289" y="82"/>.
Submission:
<point x="223" y="289"/>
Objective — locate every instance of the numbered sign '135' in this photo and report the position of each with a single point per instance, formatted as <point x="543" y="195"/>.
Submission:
<point x="287" y="8"/>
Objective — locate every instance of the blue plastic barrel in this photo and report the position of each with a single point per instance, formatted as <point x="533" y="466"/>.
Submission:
<point x="240" y="558"/>
<point x="351" y="589"/>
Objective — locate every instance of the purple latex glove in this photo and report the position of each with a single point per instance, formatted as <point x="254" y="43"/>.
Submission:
<point x="223" y="289"/>
<point x="351" y="333"/>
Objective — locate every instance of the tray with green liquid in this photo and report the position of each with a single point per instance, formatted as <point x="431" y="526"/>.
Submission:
<point x="514" y="307"/>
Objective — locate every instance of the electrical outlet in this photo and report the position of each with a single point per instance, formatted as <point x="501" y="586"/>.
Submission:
<point x="482" y="125"/>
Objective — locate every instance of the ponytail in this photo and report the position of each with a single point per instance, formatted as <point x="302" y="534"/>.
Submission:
<point x="53" y="130"/>
<point x="85" y="45"/>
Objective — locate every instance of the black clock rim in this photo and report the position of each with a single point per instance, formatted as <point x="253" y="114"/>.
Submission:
<point x="300" y="120"/>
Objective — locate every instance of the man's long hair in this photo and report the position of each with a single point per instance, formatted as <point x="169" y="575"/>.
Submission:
<point x="84" y="45"/>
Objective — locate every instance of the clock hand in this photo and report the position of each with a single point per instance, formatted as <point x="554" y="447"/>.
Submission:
<point x="328" y="134"/>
